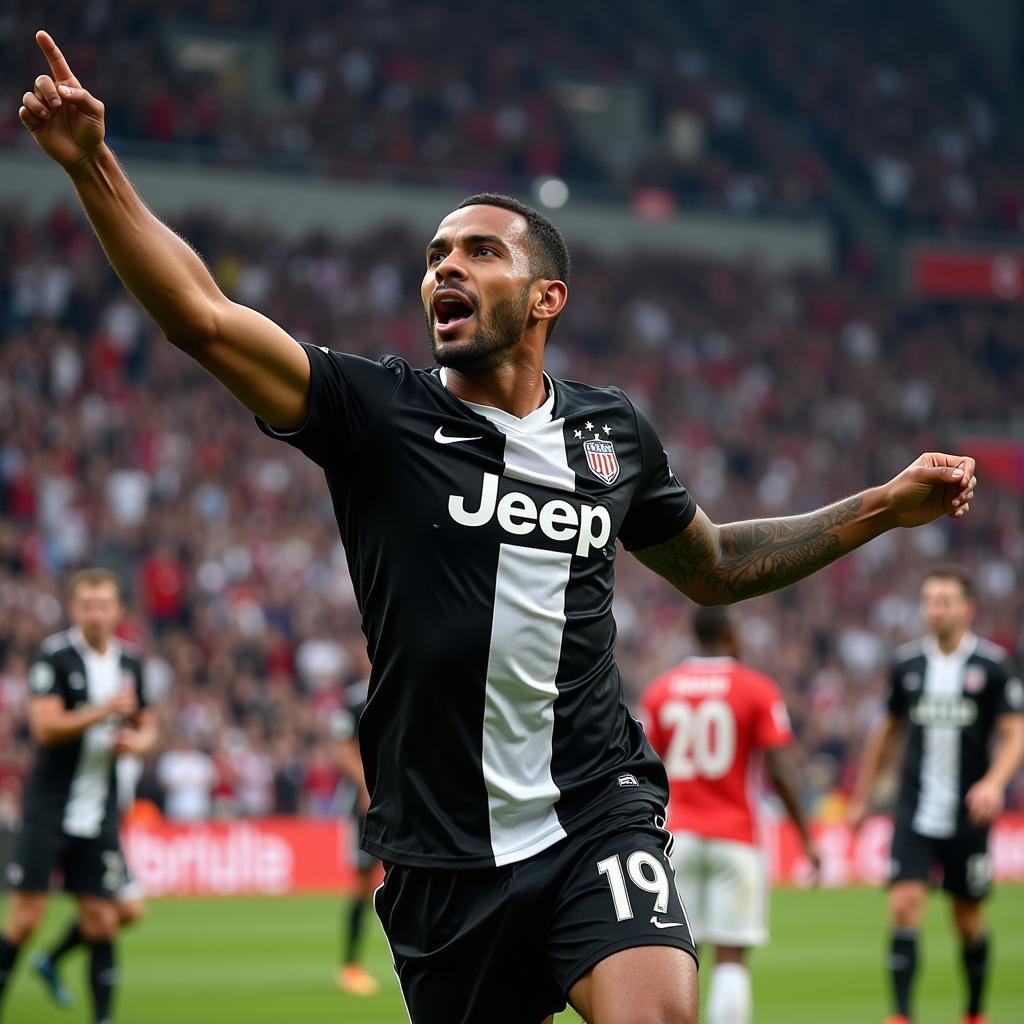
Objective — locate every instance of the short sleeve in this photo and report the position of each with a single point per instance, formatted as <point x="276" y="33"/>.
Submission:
<point x="43" y="677"/>
<point x="346" y="395"/>
<point x="661" y="507"/>
<point x="773" y="725"/>
<point x="896" y="704"/>
<point x="1009" y="691"/>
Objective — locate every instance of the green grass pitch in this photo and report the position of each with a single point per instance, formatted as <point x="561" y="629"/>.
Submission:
<point x="272" y="961"/>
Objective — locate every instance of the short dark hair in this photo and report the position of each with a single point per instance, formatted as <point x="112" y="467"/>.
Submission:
<point x="94" y="578"/>
<point x="952" y="571"/>
<point x="549" y="255"/>
<point x="711" y="625"/>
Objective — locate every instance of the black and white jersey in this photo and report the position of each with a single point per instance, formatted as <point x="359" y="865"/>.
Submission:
<point x="344" y="723"/>
<point x="72" y="786"/>
<point x="482" y="550"/>
<point x="951" y="703"/>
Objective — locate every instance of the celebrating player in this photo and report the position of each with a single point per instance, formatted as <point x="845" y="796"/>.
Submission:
<point x="953" y="692"/>
<point x="515" y="800"/>
<point x="86" y="706"/>
<point x="714" y="721"/>
<point x="352" y="976"/>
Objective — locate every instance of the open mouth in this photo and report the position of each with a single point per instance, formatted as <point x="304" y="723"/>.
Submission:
<point x="451" y="310"/>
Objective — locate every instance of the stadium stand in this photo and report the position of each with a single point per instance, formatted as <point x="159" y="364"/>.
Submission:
<point x="895" y="94"/>
<point x="356" y="91"/>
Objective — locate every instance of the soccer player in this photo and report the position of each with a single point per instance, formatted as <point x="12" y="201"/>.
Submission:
<point x="515" y="800"/>
<point x="130" y="898"/>
<point x="951" y="693"/>
<point x="716" y="723"/>
<point x="86" y="706"/>
<point x="352" y="976"/>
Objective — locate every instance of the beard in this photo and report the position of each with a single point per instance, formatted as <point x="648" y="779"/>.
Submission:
<point x="496" y="335"/>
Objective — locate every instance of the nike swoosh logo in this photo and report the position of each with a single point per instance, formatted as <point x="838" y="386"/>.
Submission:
<point x="442" y="438"/>
<point x="666" y="924"/>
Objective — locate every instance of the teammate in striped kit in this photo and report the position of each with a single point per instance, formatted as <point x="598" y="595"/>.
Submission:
<point x="86" y="707"/>
<point x="951" y="692"/>
<point x="515" y="802"/>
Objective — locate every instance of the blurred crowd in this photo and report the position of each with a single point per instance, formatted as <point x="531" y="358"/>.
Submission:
<point x="773" y="394"/>
<point x="896" y="93"/>
<point x="392" y="89"/>
<point x="746" y="107"/>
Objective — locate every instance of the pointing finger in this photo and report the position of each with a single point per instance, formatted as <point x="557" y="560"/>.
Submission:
<point x="51" y="51"/>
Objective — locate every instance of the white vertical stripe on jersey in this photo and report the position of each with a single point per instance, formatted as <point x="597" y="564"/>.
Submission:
<point x="90" y="787"/>
<point x="539" y="457"/>
<point x="519" y="701"/>
<point x="526" y="646"/>
<point x="939" y="799"/>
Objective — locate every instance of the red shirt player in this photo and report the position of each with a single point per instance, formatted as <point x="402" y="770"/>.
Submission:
<point x="717" y="724"/>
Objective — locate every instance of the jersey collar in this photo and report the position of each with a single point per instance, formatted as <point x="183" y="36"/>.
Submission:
<point x="81" y="645"/>
<point x="505" y="421"/>
<point x="962" y="651"/>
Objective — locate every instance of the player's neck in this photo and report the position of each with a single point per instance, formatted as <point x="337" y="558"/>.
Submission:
<point x="949" y="642"/>
<point x="515" y="388"/>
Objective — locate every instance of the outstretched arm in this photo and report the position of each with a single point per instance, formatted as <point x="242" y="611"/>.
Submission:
<point x="261" y="364"/>
<point x="721" y="564"/>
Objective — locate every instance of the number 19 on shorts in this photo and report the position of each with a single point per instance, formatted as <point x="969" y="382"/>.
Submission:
<point x="645" y="871"/>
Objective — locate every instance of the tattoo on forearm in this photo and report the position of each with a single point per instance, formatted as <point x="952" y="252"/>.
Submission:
<point x="755" y="557"/>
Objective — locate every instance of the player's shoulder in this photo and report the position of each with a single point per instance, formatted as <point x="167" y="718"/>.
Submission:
<point x="131" y="654"/>
<point x="56" y="645"/>
<point x="657" y="688"/>
<point x="756" y="682"/>
<point x="906" y="654"/>
<point x="576" y="396"/>
<point x="990" y="653"/>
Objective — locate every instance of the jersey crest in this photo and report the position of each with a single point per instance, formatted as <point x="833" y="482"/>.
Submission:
<point x="974" y="679"/>
<point x="601" y="459"/>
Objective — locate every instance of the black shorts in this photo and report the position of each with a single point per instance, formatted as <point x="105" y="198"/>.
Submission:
<point x="92" y="867"/>
<point x="962" y="862"/>
<point x="507" y="944"/>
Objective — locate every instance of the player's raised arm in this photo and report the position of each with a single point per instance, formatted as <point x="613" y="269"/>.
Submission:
<point x="721" y="564"/>
<point x="262" y="365"/>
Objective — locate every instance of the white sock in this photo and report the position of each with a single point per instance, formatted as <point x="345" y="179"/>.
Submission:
<point x="729" y="996"/>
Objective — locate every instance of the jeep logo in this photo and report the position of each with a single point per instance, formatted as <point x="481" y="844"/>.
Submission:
<point x="517" y="513"/>
<point x="958" y="714"/>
